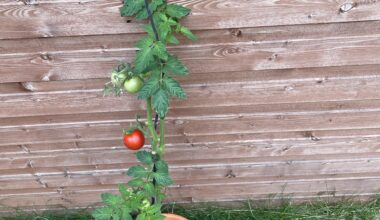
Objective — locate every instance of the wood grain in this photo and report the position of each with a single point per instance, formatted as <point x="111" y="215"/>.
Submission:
<point x="99" y="17"/>
<point x="202" y="58"/>
<point x="284" y="101"/>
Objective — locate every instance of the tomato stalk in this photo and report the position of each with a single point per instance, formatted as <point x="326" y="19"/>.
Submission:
<point x="150" y="125"/>
<point x="162" y="136"/>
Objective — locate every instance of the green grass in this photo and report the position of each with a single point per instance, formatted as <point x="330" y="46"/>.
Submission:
<point x="342" y="210"/>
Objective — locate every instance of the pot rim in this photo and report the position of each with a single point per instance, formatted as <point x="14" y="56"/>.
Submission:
<point x="178" y="217"/>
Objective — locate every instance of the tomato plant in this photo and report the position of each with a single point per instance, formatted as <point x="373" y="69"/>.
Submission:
<point x="152" y="76"/>
<point x="134" y="140"/>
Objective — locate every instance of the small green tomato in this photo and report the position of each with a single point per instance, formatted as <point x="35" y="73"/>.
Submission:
<point x="133" y="85"/>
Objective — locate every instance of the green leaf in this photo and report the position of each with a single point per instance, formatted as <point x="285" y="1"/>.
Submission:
<point x="173" y="87"/>
<point x="149" y="189"/>
<point x="164" y="30"/>
<point x="172" y="39"/>
<point x="172" y="22"/>
<point x="187" y="33"/>
<point x="155" y="4"/>
<point x="163" y="179"/>
<point x="150" y="87"/>
<point x="162" y="24"/>
<point x="154" y="209"/>
<point x="142" y="216"/>
<point x="115" y="216"/>
<point x="144" y="42"/>
<point x="162" y="166"/>
<point x="173" y="65"/>
<point x="143" y="58"/>
<point x="103" y="213"/>
<point x="160" y="217"/>
<point x="124" y="190"/>
<point x="177" y="11"/>
<point x="110" y="199"/>
<point x="148" y="28"/>
<point x="146" y="54"/>
<point x="126" y="214"/>
<point x="145" y="157"/>
<point x="160" y="51"/>
<point x="143" y="14"/>
<point x="138" y="172"/>
<point x="161" y="102"/>
<point x="131" y="7"/>
<point x="136" y="182"/>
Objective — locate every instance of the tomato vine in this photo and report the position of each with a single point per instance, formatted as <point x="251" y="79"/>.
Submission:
<point x="157" y="69"/>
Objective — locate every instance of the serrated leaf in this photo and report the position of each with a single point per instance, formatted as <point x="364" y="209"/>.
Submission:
<point x="148" y="28"/>
<point x="161" y="102"/>
<point x="110" y="199"/>
<point x="115" y="216"/>
<point x="172" y="22"/>
<point x="162" y="166"/>
<point x="150" y="87"/>
<point x="160" y="51"/>
<point x="177" y="11"/>
<point x="144" y="42"/>
<point x="173" y="65"/>
<point x="149" y="189"/>
<point x="143" y="14"/>
<point x="123" y="190"/>
<point x="154" y="209"/>
<point x="143" y="59"/>
<point x="172" y="39"/>
<point x="131" y="7"/>
<point x="126" y="214"/>
<point x="164" y="29"/>
<point x="187" y="33"/>
<point x="136" y="182"/>
<point x="141" y="216"/>
<point x="138" y="172"/>
<point x="173" y="87"/>
<point x="102" y="213"/>
<point x="145" y="157"/>
<point x="162" y="25"/>
<point x="163" y="179"/>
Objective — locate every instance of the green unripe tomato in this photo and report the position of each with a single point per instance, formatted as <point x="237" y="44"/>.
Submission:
<point x="133" y="85"/>
<point x="118" y="78"/>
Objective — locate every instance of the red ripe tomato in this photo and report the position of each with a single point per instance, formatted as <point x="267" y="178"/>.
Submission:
<point x="134" y="140"/>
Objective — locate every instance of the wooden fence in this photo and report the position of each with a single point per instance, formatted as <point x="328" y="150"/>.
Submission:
<point x="284" y="100"/>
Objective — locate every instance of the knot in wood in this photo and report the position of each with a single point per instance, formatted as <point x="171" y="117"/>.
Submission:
<point x="46" y="56"/>
<point x="346" y="7"/>
<point x="236" y="32"/>
<point x="30" y="2"/>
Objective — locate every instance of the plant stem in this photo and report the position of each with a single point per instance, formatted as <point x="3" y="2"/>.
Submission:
<point x="153" y="132"/>
<point x="162" y="136"/>
<point x="151" y="19"/>
<point x="159" y="149"/>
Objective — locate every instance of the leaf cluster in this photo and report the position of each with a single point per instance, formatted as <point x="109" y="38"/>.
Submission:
<point x="153" y="57"/>
<point x="134" y="198"/>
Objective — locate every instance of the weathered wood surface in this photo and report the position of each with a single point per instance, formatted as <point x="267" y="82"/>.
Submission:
<point x="67" y="18"/>
<point x="284" y="101"/>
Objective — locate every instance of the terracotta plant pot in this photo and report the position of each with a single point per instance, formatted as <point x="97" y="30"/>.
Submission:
<point x="173" y="217"/>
